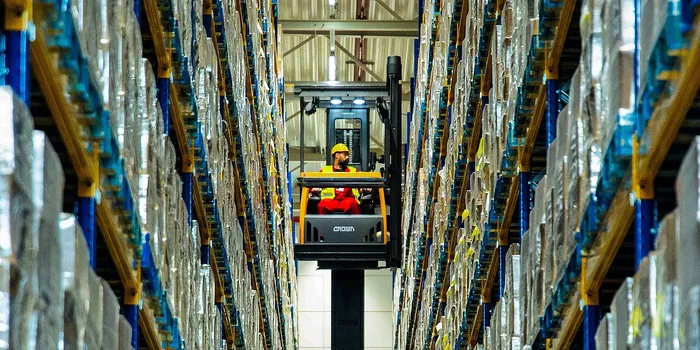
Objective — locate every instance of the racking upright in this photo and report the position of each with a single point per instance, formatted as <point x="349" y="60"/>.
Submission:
<point x="190" y="54"/>
<point x="532" y="76"/>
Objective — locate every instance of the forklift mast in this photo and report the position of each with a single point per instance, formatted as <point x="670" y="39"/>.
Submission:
<point x="347" y="107"/>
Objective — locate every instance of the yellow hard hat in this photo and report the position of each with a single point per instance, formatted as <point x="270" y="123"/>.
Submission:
<point x="339" y="148"/>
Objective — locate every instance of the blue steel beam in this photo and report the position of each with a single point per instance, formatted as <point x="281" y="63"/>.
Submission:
<point x="591" y="319"/>
<point x="487" y="309"/>
<point x="524" y="202"/>
<point x="645" y="225"/>
<point x="17" y="54"/>
<point x="552" y="109"/>
<point x="85" y="212"/>
<point x="137" y="10"/>
<point x="163" y="86"/>
<point x="187" y="194"/>
<point x="131" y="313"/>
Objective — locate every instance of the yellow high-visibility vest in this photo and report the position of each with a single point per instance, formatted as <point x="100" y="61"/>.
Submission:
<point x="329" y="193"/>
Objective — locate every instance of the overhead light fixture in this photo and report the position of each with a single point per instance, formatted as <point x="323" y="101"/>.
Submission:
<point x="336" y="101"/>
<point x="358" y="101"/>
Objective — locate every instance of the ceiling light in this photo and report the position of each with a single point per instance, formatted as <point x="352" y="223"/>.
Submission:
<point x="358" y="101"/>
<point x="336" y="101"/>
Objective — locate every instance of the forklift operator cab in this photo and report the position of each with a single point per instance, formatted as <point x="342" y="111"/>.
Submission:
<point x="338" y="200"/>
<point x="347" y="238"/>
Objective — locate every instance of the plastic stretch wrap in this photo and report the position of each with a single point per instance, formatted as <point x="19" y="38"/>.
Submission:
<point x="18" y="227"/>
<point x="644" y="298"/>
<point x="513" y="288"/>
<point x="75" y="265"/>
<point x="125" y="331"/>
<point x="688" y="216"/>
<point x="605" y="335"/>
<point x="690" y="323"/>
<point x="526" y="284"/>
<point x="93" y="334"/>
<point x="118" y="63"/>
<point x="622" y="307"/>
<point x="47" y="182"/>
<point x="667" y="321"/>
<point x="110" y="317"/>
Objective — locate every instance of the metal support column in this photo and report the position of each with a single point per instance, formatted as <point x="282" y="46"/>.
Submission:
<point x="163" y="86"/>
<point x="130" y="308"/>
<point x="591" y="310"/>
<point x="187" y="186"/>
<point x="552" y="105"/>
<point x="487" y="309"/>
<point x="18" y="63"/>
<point x="206" y="253"/>
<point x="85" y="207"/>
<point x="131" y="313"/>
<point x="591" y="320"/>
<point x="17" y="50"/>
<point x="524" y="201"/>
<point x="644" y="229"/>
<point x="137" y="10"/>
<point x="85" y="213"/>
<point x="207" y="18"/>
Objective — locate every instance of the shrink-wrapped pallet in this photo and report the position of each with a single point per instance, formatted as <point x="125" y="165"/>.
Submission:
<point x="512" y="292"/>
<point x="667" y="308"/>
<point x="687" y="245"/>
<point x="47" y="182"/>
<point x="688" y="216"/>
<point x="605" y="335"/>
<point x="18" y="226"/>
<point x="125" y="334"/>
<point x="93" y="332"/>
<point x="690" y="321"/>
<point x="525" y="285"/>
<point x="110" y="317"/>
<point x="644" y="298"/>
<point x="118" y="64"/>
<point x="75" y="267"/>
<point x="622" y="308"/>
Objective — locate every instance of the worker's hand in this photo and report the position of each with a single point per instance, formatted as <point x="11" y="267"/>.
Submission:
<point x="367" y="190"/>
<point x="315" y="190"/>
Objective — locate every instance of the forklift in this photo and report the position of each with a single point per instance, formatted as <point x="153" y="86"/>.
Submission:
<point x="350" y="244"/>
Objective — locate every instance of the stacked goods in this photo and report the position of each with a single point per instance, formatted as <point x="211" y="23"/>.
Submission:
<point x="47" y="180"/>
<point x="125" y="334"/>
<point x="687" y="247"/>
<point x="69" y="306"/>
<point x="667" y="323"/>
<point x="18" y="259"/>
<point x="647" y="309"/>
<point x="119" y="95"/>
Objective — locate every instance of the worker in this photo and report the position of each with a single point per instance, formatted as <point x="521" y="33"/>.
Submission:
<point x="343" y="200"/>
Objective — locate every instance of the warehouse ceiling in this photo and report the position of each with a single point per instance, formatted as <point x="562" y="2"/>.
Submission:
<point x="390" y="27"/>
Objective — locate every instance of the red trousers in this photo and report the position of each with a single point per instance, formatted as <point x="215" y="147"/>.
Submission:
<point x="339" y="204"/>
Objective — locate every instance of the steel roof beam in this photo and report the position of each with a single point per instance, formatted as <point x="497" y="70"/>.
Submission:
<point x="406" y="29"/>
<point x="386" y="7"/>
<point x="299" y="45"/>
